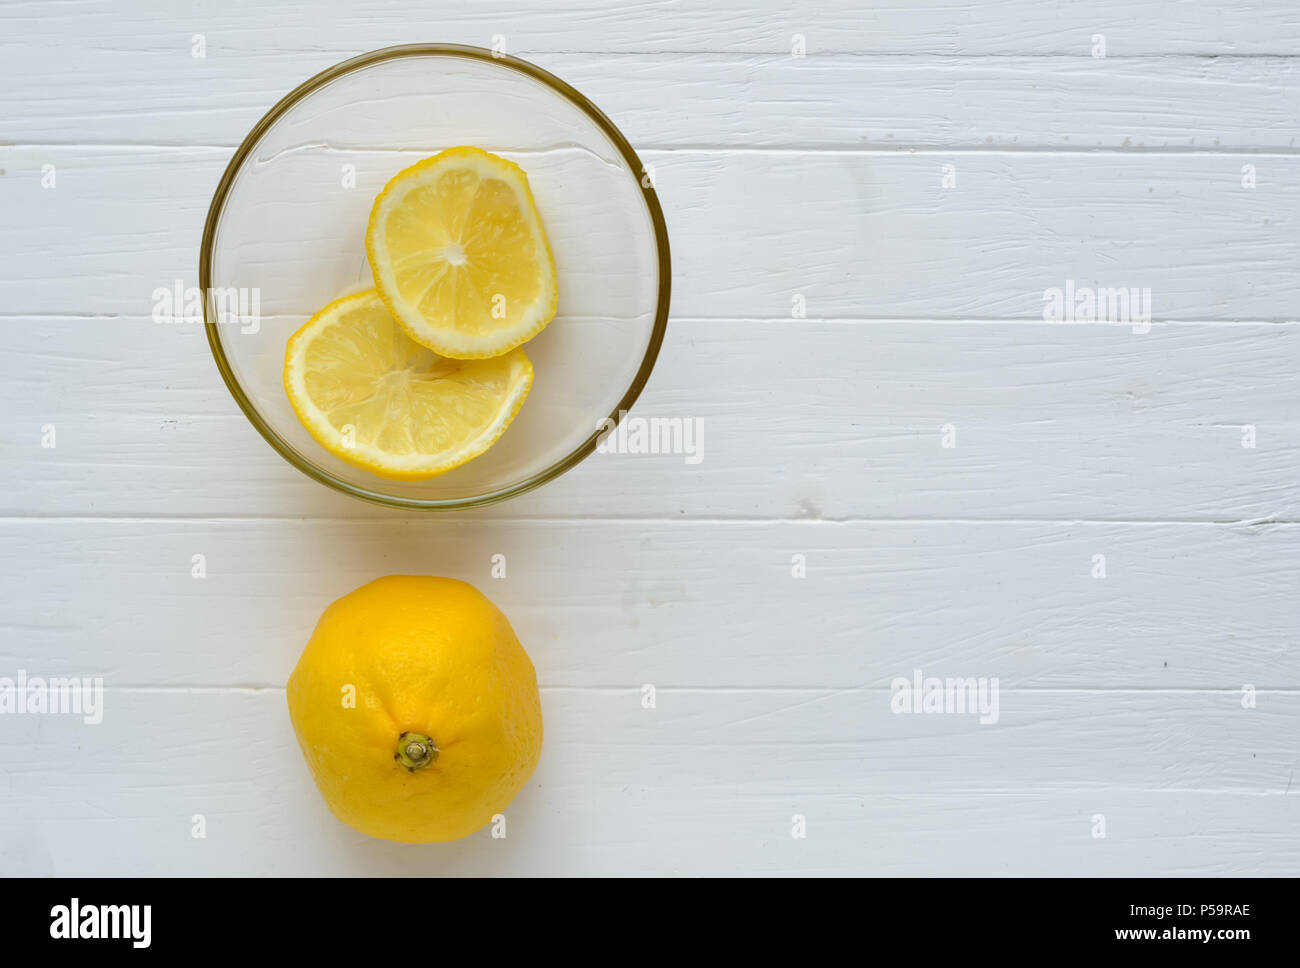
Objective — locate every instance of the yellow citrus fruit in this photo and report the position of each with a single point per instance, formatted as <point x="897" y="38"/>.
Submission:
<point x="459" y="254"/>
<point x="417" y="709"/>
<point x="372" y="396"/>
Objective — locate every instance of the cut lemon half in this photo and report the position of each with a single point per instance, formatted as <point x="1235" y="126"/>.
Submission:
<point x="371" y="395"/>
<point x="459" y="254"/>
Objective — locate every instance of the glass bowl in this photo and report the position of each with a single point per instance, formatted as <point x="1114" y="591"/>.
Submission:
<point x="285" y="235"/>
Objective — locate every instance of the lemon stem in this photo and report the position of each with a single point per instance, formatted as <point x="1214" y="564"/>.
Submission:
<point x="415" y="751"/>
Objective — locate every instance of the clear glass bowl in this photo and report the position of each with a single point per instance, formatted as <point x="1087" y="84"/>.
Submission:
<point x="285" y="235"/>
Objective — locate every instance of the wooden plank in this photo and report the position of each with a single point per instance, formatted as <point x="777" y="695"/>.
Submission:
<point x="707" y="604"/>
<point x="1047" y="421"/>
<point x="691" y="100"/>
<point x="666" y="26"/>
<point x="860" y="235"/>
<point x="725" y="773"/>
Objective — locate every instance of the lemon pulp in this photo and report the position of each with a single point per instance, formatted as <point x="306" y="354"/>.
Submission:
<point x="371" y="395"/>
<point x="460" y="256"/>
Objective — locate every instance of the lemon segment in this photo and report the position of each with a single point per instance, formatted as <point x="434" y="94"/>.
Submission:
<point x="459" y="254"/>
<point x="372" y="396"/>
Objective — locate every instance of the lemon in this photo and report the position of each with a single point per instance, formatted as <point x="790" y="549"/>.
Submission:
<point x="417" y="709"/>
<point x="374" y="397"/>
<point x="459" y="254"/>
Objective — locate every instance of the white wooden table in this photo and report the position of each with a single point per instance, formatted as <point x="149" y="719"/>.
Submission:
<point x="920" y="178"/>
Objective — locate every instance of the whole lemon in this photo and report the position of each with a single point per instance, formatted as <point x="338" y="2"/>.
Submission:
<point x="417" y="709"/>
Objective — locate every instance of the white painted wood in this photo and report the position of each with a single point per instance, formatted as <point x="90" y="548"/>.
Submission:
<point x="1048" y="421"/>
<point x="751" y="100"/>
<point x="859" y="235"/>
<point x="707" y="782"/>
<point x="710" y="604"/>
<point x="340" y="27"/>
<point x="1119" y="696"/>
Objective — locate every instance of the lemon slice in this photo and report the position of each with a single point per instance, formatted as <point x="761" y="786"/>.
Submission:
<point x="371" y="395"/>
<point x="459" y="254"/>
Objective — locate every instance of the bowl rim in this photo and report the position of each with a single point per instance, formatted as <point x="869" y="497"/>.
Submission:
<point x="314" y="83"/>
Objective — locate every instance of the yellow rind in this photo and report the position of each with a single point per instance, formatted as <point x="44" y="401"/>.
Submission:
<point x="424" y="655"/>
<point x="328" y="437"/>
<point x="423" y="335"/>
